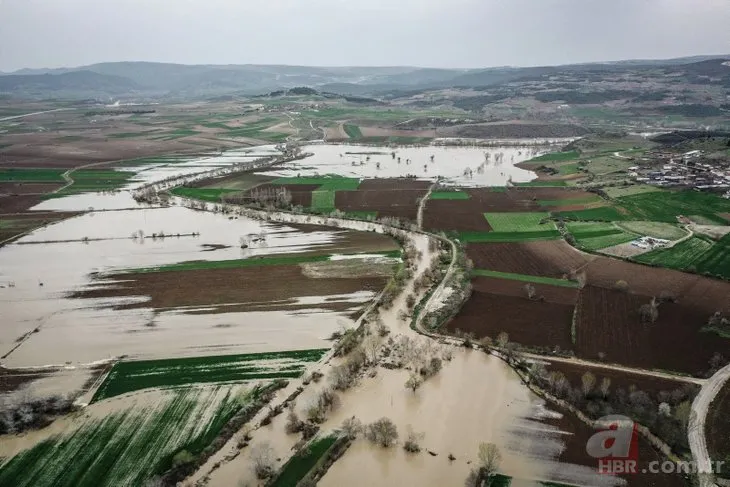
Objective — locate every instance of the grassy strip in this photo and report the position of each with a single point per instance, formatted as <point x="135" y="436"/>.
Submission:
<point x="352" y="131"/>
<point x="477" y="237"/>
<point x="525" y="278"/>
<point x="449" y="195"/>
<point x="574" y="201"/>
<point x="143" y="374"/>
<point x="602" y="214"/>
<point x="604" y="241"/>
<point x="250" y="262"/>
<point x="300" y="464"/>
<point x="542" y="183"/>
<point x="556" y="157"/>
<point x="519" y="222"/>
<point x="32" y="175"/>
<point x="329" y="182"/>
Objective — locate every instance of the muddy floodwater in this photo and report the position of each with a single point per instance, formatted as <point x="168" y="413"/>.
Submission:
<point x="467" y="166"/>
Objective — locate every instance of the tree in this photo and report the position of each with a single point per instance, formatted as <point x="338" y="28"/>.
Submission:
<point x="621" y="285"/>
<point x="649" y="313"/>
<point x="489" y="458"/>
<point x="665" y="410"/>
<point x="262" y="461"/>
<point x="682" y="413"/>
<point x="413" y="383"/>
<point x="412" y="444"/>
<point x="382" y="432"/>
<point x="371" y="345"/>
<point x="352" y="427"/>
<point x="502" y="339"/>
<point x="530" y="290"/>
<point x="588" y="381"/>
<point x="293" y="423"/>
<point x="605" y="387"/>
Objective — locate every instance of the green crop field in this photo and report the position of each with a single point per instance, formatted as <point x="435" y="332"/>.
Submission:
<point x="130" y="135"/>
<point x="352" y="131"/>
<point x="519" y="222"/>
<point x="621" y="191"/>
<point x="525" y="278"/>
<point x="598" y="243"/>
<point x="143" y="374"/>
<point x="91" y="181"/>
<point x="128" y="446"/>
<point x="681" y="256"/>
<point x="449" y="195"/>
<point x="556" y="156"/>
<point x="32" y="175"/>
<point x="699" y="254"/>
<point x="665" y="206"/>
<point x="323" y="201"/>
<point x="570" y="201"/>
<point x="595" y="236"/>
<point x="299" y="465"/>
<point x="206" y="194"/>
<point x="542" y="183"/>
<point x="332" y="182"/>
<point x="484" y="237"/>
<point x="666" y="231"/>
<point x="568" y="169"/>
<point x="603" y="213"/>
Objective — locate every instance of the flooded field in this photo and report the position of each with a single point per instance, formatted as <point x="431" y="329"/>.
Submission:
<point x="469" y="166"/>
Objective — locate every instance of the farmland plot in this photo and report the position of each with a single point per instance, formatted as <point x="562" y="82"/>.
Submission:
<point x="667" y="231"/>
<point x="609" y="325"/>
<point x="129" y="445"/>
<point x="698" y="254"/>
<point x="129" y="376"/>
<point x="396" y="198"/>
<point x="499" y="305"/>
<point x="553" y="258"/>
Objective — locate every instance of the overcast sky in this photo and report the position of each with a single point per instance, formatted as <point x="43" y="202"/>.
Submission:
<point x="438" y="33"/>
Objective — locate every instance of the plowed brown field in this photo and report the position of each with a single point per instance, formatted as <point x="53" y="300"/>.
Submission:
<point x="608" y="324"/>
<point x="499" y="305"/>
<point x="397" y="198"/>
<point x="552" y="258"/>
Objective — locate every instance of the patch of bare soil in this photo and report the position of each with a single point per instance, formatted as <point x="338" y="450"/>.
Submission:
<point x="553" y="258"/>
<point x="624" y="250"/>
<point x="227" y="290"/>
<point x="609" y="326"/>
<point x="17" y="224"/>
<point x="398" y="198"/>
<point x="14" y="189"/>
<point x="498" y="305"/>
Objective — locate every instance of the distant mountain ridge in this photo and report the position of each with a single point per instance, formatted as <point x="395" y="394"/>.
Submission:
<point x="167" y="79"/>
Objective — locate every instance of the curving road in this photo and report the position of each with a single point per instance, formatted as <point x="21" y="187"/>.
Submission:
<point x="696" y="428"/>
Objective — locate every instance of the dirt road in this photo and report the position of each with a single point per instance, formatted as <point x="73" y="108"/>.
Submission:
<point x="697" y="427"/>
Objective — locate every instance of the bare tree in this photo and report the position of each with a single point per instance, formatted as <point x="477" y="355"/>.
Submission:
<point x="489" y="458"/>
<point x="352" y="427"/>
<point x="413" y="383"/>
<point x="371" y="345"/>
<point x="382" y="432"/>
<point x="605" y="387"/>
<point x="588" y="381"/>
<point x="262" y="461"/>
<point x="413" y="442"/>
<point x="649" y="313"/>
<point x="530" y="290"/>
<point x="502" y="339"/>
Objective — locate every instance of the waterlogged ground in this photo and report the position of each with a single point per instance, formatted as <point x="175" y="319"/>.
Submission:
<point x="468" y="166"/>
<point x="123" y="441"/>
<point x="49" y="264"/>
